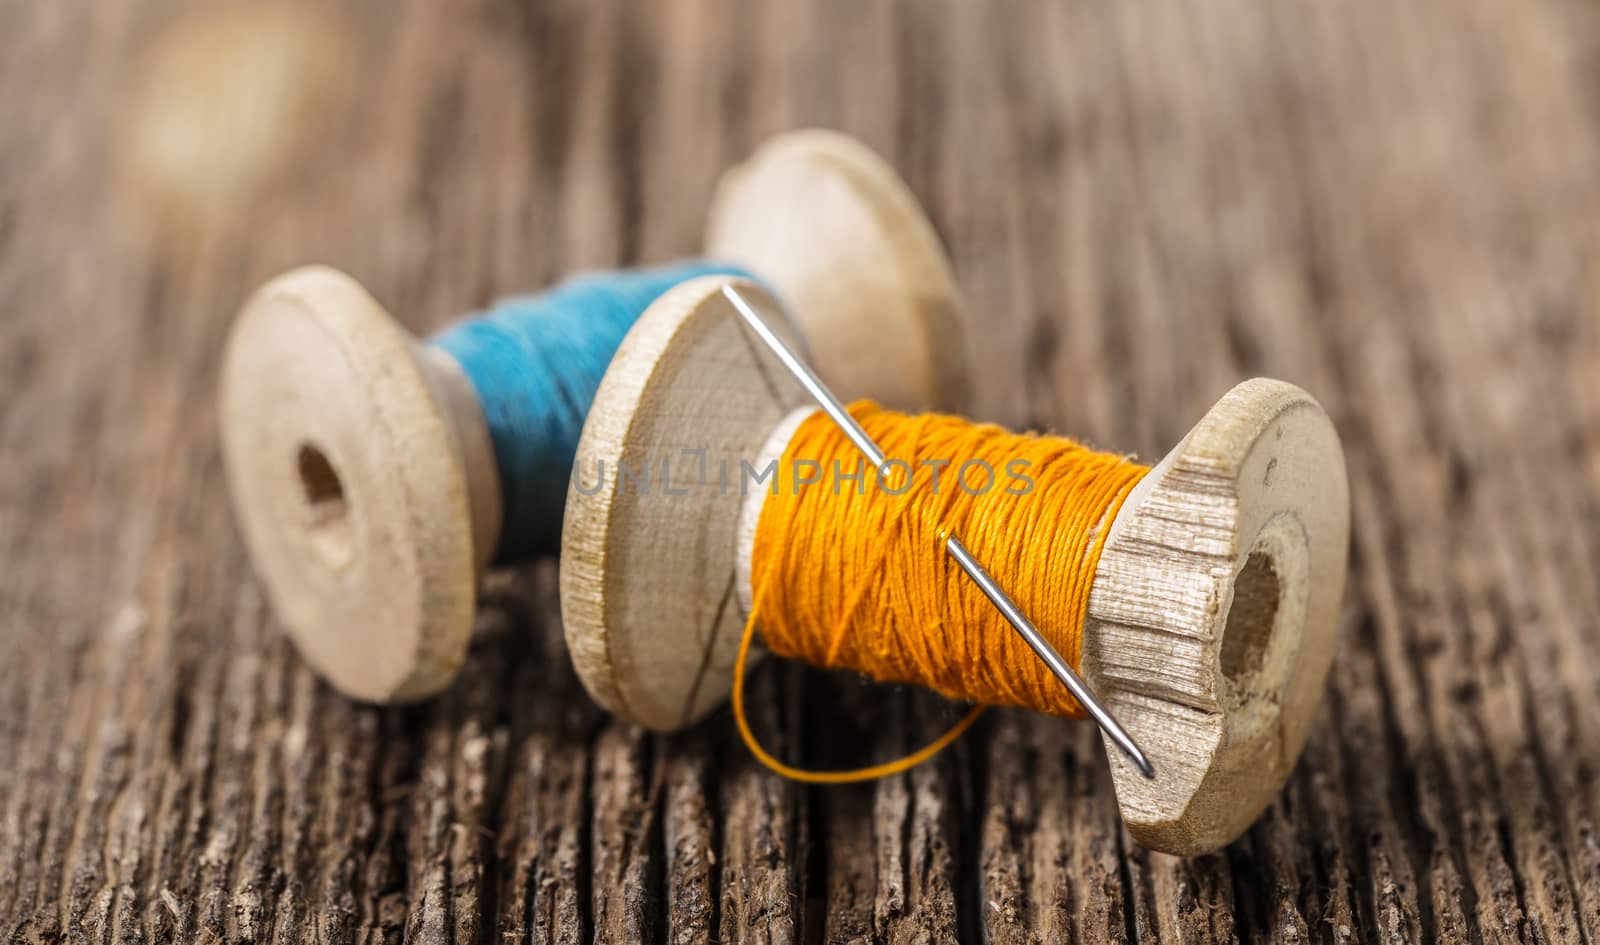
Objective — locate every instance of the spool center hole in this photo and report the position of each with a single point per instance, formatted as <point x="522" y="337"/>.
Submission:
<point x="1251" y="618"/>
<point x="328" y="512"/>
<point x="317" y="477"/>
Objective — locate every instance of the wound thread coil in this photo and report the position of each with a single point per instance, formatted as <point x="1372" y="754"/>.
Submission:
<point x="847" y="571"/>
<point x="535" y="362"/>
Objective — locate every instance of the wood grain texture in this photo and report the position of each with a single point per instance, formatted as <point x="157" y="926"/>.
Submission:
<point x="1390" y="205"/>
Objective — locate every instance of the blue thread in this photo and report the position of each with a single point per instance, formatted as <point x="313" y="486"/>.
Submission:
<point x="536" y="362"/>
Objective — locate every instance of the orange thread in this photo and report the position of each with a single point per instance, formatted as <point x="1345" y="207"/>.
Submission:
<point x="853" y="575"/>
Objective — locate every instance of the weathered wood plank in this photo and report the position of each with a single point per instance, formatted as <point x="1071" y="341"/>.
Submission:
<point x="1393" y="206"/>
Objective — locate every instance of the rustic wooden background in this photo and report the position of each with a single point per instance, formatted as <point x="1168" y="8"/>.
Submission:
<point x="1392" y="204"/>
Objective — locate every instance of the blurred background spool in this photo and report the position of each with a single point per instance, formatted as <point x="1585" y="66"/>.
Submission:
<point x="226" y="101"/>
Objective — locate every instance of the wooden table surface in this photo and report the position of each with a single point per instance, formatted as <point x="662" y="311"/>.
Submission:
<point x="1392" y="205"/>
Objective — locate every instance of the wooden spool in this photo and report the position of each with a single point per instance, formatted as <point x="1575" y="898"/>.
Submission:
<point x="1210" y="625"/>
<point x="360" y="465"/>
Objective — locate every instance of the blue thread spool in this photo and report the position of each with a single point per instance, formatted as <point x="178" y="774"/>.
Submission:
<point x="375" y="475"/>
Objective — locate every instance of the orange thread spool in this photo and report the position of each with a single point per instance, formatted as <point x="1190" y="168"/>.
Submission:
<point x="851" y="574"/>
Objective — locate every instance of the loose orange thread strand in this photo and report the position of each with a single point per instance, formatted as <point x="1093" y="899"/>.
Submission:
<point x="856" y="577"/>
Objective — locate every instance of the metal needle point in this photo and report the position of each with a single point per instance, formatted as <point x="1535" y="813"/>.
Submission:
<point x="1002" y="601"/>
